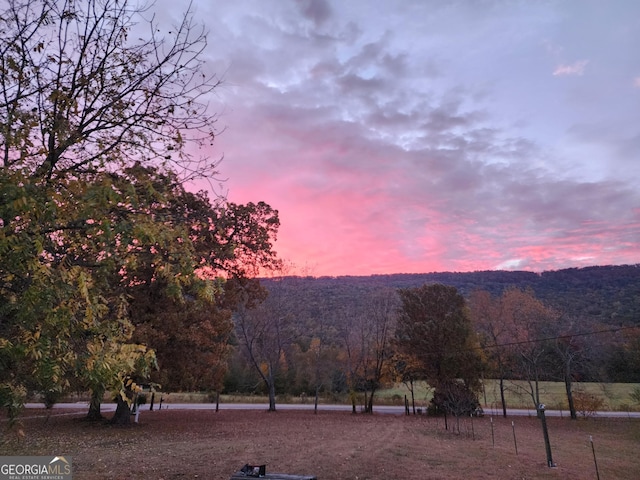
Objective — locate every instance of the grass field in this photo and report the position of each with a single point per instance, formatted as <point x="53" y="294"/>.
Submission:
<point x="614" y="396"/>
<point x="174" y="444"/>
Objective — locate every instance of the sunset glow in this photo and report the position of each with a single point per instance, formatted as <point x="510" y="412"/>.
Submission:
<point x="423" y="136"/>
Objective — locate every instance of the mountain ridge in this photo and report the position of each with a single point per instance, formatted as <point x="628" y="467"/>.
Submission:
<point x="607" y="294"/>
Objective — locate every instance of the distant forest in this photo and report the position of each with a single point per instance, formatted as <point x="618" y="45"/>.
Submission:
<point x="603" y="294"/>
<point x="321" y="331"/>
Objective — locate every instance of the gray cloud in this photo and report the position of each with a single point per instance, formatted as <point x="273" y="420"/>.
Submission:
<point x="318" y="11"/>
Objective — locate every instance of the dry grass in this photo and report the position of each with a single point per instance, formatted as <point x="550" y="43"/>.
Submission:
<point x="172" y="444"/>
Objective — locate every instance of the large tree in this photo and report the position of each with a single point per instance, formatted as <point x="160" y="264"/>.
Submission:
<point x="190" y="332"/>
<point x="100" y="110"/>
<point x="83" y="263"/>
<point x="65" y="249"/>
<point x="434" y="328"/>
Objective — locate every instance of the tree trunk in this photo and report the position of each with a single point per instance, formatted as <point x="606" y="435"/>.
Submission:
<point x="123" y="413"/>
<point x="315" y="402"/>
<point x="502" y="400"/>
<point x="370" y="405"/>
<point x="94" y="405"/>
<point x="568" y="387"/>
<point x="413" y="397"/>
<point x="272" y="391"/>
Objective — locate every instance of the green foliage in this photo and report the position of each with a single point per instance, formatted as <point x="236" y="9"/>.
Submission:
<point x="75" y="254"/>
<point x="93" y="215"/>
<point x="60" y="302"/>
<point x="434" y="330"/>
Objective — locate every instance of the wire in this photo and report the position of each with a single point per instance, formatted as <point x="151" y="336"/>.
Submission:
<point x="559" y="337"/>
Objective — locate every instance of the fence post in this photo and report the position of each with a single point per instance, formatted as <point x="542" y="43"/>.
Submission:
<point x="593" y="449"/>
<point x="493" y="439"/>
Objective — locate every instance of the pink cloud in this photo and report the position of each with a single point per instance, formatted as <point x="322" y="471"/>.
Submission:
<point x="575" y="68"/>
<point x="386" y="152"/>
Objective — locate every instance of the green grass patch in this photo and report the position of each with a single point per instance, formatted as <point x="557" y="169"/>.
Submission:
<point x="614" y="396"/>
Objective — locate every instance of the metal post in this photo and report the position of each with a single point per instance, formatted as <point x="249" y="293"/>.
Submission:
<point x="473" y="431"/>
<point x="515" y="442"/>
<point x="136" y="408"/>
<point x="593" y="449"/>
<point x="545" y="432"/>
<point x="493" y="439"/>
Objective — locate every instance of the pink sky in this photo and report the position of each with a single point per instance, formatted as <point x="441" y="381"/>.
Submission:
<point x="419" y="137"/>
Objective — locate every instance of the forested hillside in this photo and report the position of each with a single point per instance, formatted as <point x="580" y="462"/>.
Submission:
<point x="602" y="294"/>
<point x="334" y="334"/>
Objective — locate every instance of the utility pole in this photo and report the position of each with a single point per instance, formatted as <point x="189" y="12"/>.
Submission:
<point x="545" y="432"/>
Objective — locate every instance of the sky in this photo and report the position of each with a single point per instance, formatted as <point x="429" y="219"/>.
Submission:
<point x="417" y="136"/>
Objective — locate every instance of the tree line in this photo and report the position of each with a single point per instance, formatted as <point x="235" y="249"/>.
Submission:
<point x="319" y="335"/>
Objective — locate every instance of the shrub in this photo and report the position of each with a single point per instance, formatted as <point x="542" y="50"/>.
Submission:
<point x="587" y="404"/>
<point x="454" y="398"/>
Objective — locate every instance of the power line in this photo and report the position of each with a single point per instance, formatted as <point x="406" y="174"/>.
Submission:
<point x="560" y="337"/>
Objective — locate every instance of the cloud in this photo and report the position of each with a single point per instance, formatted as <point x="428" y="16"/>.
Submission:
<point x="636" y="82"/>
<point x="318" y="11"/>
<point x="576" y="68"/>
<point x="412" y="149"/>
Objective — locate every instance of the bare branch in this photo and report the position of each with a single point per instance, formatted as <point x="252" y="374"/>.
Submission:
<point x="76" y="93"/>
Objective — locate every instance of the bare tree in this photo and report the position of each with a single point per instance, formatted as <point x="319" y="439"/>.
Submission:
<point x="572" y="355"/>
<point x="350" y="333"/>
<point x="569" y="351"/>
<point x="492" y="320"/>
<point x="83" y="86"/>
<point x="378" y="331"/>
<point x="532" y="324"/>
<point x="319" y="361"/>
<point x="267" y="331"/>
